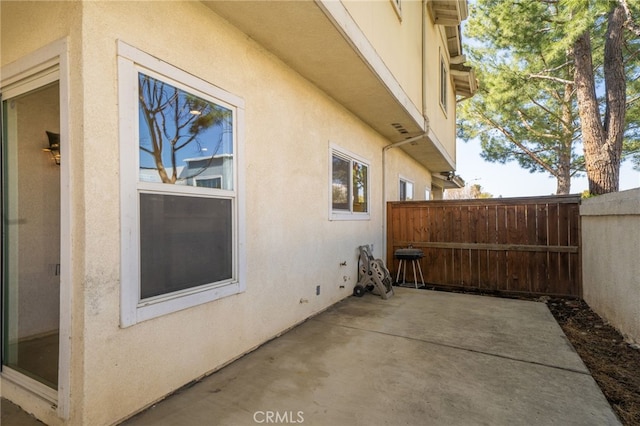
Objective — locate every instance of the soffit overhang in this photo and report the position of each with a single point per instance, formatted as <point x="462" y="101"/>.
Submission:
<point x="321" y="42"/>
<point x="449" y="13"/>
<point x="429" y="149"/>
<point x="464" y="80"/>
<point x="444" y="181"/>
<point x="454" y="40"/>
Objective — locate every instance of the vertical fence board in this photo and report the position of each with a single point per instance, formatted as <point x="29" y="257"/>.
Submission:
<point x="481" y="223"/>
<point x="492" y="238"/>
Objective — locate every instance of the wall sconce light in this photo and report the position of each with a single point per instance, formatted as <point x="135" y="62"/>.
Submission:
<point x="54" y="146"/>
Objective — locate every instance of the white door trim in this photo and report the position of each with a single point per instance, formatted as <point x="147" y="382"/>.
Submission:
<point x="23" y="75"/>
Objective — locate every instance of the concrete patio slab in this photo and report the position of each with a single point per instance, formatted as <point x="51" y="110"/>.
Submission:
<point x="419" y="358"/>
<point x="509" y="328"/>
<point x="12" y="415"/>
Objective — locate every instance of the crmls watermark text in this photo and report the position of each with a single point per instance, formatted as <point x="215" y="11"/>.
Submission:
<point x="289" y="417"/>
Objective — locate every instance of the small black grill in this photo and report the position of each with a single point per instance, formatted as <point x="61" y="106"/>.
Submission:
<point x="413" y="255"/>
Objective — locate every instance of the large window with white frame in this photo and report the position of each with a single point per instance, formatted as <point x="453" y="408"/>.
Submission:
<point x="181" y="207"/>
<point x="349" y="186"/>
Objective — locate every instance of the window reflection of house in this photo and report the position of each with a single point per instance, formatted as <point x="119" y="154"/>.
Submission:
<point x="150" y="174"/>
<point x="208" y="172"/>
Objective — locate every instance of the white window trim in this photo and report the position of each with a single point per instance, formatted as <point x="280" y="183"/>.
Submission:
<point x="350" y="215"/>
<point x="45" y="65"/>
<point x="405" y="180"/>
<point x="132" y="309"/>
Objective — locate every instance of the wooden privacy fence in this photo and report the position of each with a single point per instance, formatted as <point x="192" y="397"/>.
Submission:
<point x="512" y="245"/>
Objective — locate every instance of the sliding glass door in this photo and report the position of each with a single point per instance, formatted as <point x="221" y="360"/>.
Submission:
<point x="31" y="231"/>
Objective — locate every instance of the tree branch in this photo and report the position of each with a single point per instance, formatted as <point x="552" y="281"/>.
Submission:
<point x="554" y="69"/>
<point x="533" y="131"/>
<point x="548" y="77"/>
<point x="629" y="22"/>
<point x="632" y="101"/>
<point x="547" y="110"/>
<point x="520" y="145"/>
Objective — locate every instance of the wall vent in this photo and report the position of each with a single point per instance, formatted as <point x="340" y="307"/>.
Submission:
<point x="400" y="128"/>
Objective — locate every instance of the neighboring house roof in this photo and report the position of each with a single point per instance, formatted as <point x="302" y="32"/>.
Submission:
<point x="207" y="157"/>
<point x="151" y="175"/>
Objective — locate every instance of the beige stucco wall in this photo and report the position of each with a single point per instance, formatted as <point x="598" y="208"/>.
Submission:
<point x="400" y="166"/>
<point x="398" y="41"/>
<point x="291" y="247"/>
<point x="610" y="259"/>
<point x="26" y="27"/>
<point x="442" y="123"/>
<point x="58" y="19"/>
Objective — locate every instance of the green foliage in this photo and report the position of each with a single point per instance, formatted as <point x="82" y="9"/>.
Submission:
<point x="631" y="145"/>
<point x="175" y="119"/>
<point x="526" y="109"/>
<point x="203" y="114"/>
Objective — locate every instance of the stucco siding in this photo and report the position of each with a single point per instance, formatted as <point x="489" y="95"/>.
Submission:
<point x="611" y="271"/>
<point x="291" y="244"/>
<point x="59" y="18"/>
<point x="292" y="247"/>
<point x="399" y="166"/>
<point x="397" y="39"/>
<point x="442" y="123"/>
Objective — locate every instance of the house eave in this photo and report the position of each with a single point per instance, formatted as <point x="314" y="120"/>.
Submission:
<point x="448" y="13"/>
<point x="430" y="152"/>
<point x="464" y="80"/>
<point x="454" y="40"/>
<point x="447" y="180"/>
<point x="320" y="41"/>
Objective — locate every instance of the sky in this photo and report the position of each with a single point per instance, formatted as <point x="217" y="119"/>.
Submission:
<point x="509" y="180"/>
<point x="213" y="140"/>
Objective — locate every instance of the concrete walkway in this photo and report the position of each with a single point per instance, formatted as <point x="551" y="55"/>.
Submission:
<point x="419" y="358"/>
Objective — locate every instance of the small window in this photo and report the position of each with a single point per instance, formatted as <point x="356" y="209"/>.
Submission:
<point x="444" y="84"/>
<point x="349" y="186"/>
<point x="182" y="219"/>
<point x="406" y="190"/>
<point x="427" y="194"/>
<point x="208" y="182"/>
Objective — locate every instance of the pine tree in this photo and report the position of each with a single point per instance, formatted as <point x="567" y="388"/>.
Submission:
<point x="533" y="106"/>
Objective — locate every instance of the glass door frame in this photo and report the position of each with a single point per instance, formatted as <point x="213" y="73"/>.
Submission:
<point x="44" y="66"/>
